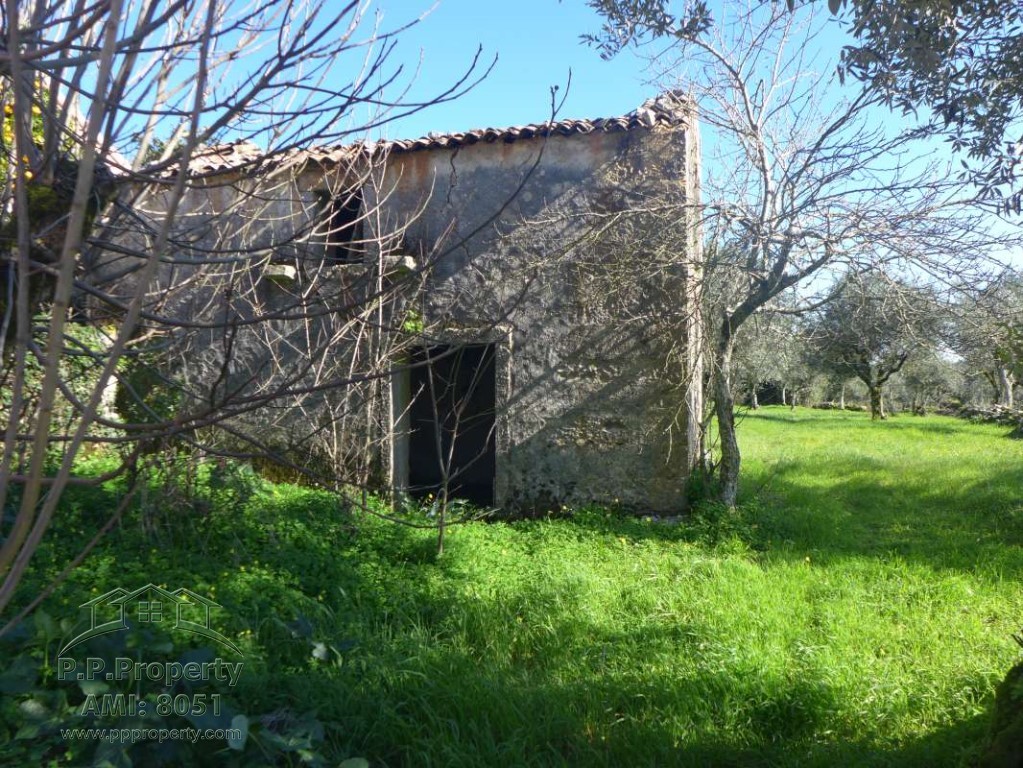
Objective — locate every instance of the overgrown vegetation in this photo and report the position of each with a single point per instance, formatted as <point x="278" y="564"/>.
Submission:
<point x="855" y="609"/>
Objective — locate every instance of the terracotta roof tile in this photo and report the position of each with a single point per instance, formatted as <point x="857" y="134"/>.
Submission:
<point x="224" y="157"/>
<point x="668" y="109"/>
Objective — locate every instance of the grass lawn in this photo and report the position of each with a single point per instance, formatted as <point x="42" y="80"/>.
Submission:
<point x="858" y="610"/>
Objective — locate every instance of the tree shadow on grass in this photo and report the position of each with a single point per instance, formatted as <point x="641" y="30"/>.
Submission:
<point x="459" y="681"/>
<point x="850" y="502"/>
<point x="459" y="708"/>
<point x="975" y="527"/>
<point x="425" y="675"/>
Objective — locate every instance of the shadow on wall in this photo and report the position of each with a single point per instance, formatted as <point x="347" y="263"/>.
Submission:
<point x="596" y="425"/>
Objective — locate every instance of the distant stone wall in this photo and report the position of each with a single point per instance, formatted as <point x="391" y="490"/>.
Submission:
<point x="993" y="414"/>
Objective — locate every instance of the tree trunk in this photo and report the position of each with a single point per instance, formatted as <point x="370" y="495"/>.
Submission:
<point x="841" y="398"/>
<point x="441" y="515"/>
<point x="754" y="403"/>
<point x="724" y="409"/>
<point x="1005" y="385"/>
<point x="784" y="400"/>
<point x="876" y="403"/>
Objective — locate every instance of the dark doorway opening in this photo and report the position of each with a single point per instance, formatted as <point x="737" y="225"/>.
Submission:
<point x="451" y="422"/>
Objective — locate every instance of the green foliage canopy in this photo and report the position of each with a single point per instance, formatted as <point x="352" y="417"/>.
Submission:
<point x="963" y="59"/>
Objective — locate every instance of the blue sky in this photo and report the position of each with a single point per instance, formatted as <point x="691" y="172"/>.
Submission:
<point x="536" y="43"/>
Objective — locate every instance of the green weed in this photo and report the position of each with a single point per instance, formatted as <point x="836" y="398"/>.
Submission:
<point x="856" y="610"/>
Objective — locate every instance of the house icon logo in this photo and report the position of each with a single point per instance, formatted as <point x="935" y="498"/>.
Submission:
<point x="119" y="610"/>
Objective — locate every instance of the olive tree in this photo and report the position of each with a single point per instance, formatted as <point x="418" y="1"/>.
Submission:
<point x="929" y="379"/>
<point x="988" y="333"/>
<point x="963" y="60"/>
<point x="770" y="349"/>
<point x="871" y="327"/>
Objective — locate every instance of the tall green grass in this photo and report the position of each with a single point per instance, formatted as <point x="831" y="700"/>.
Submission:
<point x="857" y="610"/>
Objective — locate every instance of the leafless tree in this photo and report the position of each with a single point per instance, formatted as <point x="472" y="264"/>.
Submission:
<point x="174" y="259"/>
<point x="799" y="177"/>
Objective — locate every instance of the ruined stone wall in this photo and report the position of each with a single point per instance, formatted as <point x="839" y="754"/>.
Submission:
<point x="250" y="322"/>
<point x="576" y="255"/>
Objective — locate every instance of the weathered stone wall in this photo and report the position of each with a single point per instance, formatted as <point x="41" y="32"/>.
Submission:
<point x="577" y="254"/>
<point x="252" y="330"/>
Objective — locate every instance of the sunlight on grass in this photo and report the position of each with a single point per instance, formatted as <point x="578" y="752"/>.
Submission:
<point x="857" y="610"/>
